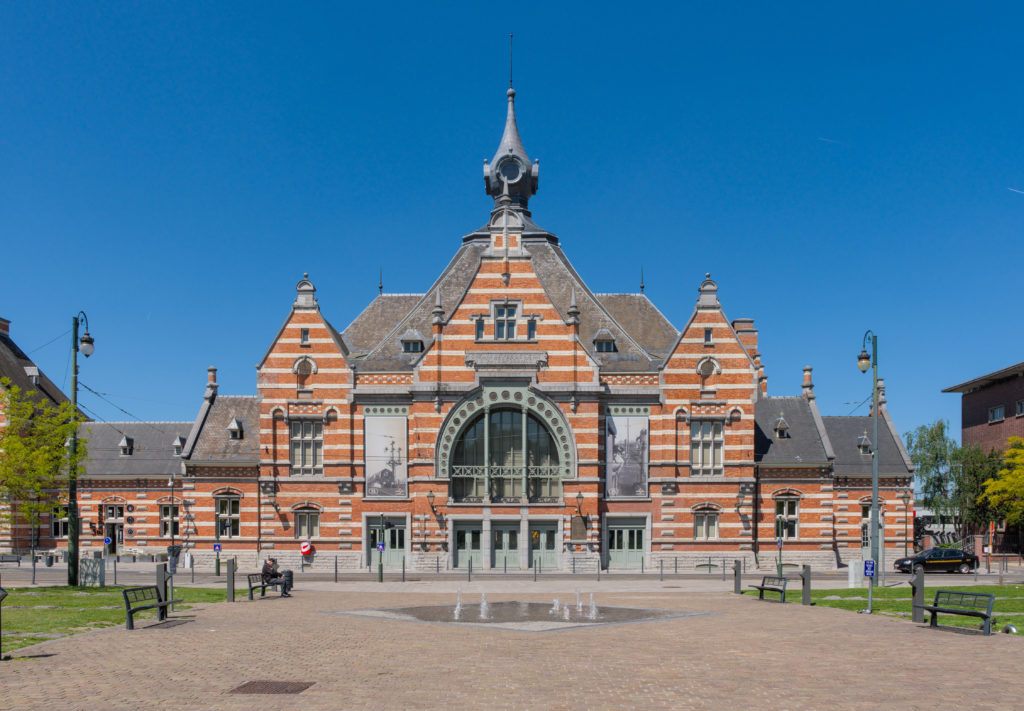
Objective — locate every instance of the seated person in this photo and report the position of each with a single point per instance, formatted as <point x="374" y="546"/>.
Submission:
<point x="271" y="576"/>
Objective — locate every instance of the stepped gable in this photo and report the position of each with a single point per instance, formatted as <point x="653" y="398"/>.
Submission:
<point x="802" y="444"/>
<point x="215" y="441"/>
<point x="152" y="448"/>
<point x="559" y="280"/>
<point x="387" y="354"/>
<point x="642" y="320"/>
<point x="844" y="433"/>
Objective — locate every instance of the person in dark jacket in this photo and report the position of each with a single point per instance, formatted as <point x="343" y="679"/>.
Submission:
<point x="271" y="576"/>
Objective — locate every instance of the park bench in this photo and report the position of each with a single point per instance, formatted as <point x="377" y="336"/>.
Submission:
<point x="7" y="558"/>
<point x="772" y="583"/>
<point x="256" y="581"/>
<point x="148" y="597"/>
<point x="954" y="602"/>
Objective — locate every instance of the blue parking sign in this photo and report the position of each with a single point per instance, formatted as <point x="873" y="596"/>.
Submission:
<point x="869" y="569"/>
<point x="216" y="547"/>
<point x="107" y="540"/>
<point x="380" y="547"/>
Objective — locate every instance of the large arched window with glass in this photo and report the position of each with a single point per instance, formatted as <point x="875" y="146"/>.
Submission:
<point x="506" y="455"/>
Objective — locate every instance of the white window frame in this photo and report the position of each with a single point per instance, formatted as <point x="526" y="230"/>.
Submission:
<point x="59" y="521"/>
<point x="997" y="413"/>
<point x="307" y="523"/>
<point x="705" y="524"/>
<point x="1020" y="408"/>
<point x="170" y="515"/>
<point x="790" y="517"/>
<point x="304" y="337"/>
<point x="232" y="518"/>
<point x="412" y="346"/>
<point x="505" y="320"/>
<point x="298" y="439"/>
<point x="605" y="345"/>
<point x="712" y="443"/>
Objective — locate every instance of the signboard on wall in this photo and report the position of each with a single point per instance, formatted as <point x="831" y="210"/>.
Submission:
<point x="386" y="454"/>
<point x="627" y="455"/>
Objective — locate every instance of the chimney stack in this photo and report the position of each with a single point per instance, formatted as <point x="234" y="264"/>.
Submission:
<point x="808" y="384"/>
<point x="211" y="384"/>
<point x="5" y="327"/>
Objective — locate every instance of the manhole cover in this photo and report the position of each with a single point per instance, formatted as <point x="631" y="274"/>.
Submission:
<point x="272" y="687"/>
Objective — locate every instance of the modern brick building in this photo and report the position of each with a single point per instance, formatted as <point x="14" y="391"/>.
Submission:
<point x="992" y="408"/>
<point x="510" y="417"/>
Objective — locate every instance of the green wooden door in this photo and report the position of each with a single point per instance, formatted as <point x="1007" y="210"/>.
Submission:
<point x="626" y="544"/>
<point x="542" y="546"/>
<point x="394" y="544"/>
<point x="468" y="537"/>
<point x="504" y="546"/>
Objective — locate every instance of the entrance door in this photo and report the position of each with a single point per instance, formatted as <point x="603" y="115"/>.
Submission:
<point x="115" y="532"/>
<point x="542" y="546"/>
<point x="468" y="538"/>
<point x="504" y="546"/>
<point x="626" y="544"/>
<point x="394" y="544"/>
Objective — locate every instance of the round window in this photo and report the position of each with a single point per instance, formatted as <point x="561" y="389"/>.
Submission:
<point x="510" y="170"/>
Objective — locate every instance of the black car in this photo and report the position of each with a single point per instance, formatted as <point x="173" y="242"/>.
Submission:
<point x="938" y="560"/>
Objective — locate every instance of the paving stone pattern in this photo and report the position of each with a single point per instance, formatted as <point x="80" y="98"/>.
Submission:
<point x="748" y="654"/>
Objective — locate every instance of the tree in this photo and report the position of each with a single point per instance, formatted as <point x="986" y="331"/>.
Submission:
<point x="1005" y="491"/>
<point x="34" y="462"/>
<point x="933" y="454"/>
<point x="975" y="468"/>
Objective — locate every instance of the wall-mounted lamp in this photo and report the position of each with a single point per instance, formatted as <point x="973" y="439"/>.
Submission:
<point x="430" y="500"/>
<point x="579" y="503"/>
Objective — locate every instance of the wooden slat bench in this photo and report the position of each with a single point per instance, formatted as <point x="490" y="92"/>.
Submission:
<point x="256" y="581"/>
<point x="954" y="602"/>
<point x="148" y="597"/>
<point x="771" y="583"/>
<point x="8" y="558"/>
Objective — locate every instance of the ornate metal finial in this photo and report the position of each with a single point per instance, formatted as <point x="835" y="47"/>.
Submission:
<point x="641" y="279"/>
<point x="380" y="281"/>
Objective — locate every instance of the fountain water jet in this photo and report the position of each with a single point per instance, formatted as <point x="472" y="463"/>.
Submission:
<point x="592" y="614"/>
<point x="457" y="613"/>
<point x="579" y="603"/>
<point x="556" y="607"/>
<point x="485" y="610"/>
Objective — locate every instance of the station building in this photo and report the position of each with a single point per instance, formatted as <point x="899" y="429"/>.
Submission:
<point x="510" y="417"/>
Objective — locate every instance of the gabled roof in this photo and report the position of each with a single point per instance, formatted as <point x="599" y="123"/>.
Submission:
<point x="14" y="361"/>
<point x="642" y="320"/>
<point x="803" y="444"/>
<point x="214" y="442"/>
<point x="844" y="433"/>
<point x="152" y="448"/>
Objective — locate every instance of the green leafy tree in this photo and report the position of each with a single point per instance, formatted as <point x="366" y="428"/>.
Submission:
<point x="34" y="461"/>
<point x="1005" y="491"/>
<point x="972" y="468"/>
<point x="934" y="455"/>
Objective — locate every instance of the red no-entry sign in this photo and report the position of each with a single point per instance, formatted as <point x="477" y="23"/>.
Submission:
<point x="305" y="548"/>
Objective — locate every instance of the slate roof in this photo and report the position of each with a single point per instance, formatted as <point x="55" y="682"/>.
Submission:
<point x="844" y="432"/>
<point x="803" y="444"/>
<point x="642" y="320"/>
<point x="13" y="362"/>
<point x="214" y="442"/>
<point x="152" y="454"/>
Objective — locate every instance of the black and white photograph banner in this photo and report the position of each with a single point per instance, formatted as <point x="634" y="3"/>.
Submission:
<point x="627" y="452"/>
<point x="386" y="457"/>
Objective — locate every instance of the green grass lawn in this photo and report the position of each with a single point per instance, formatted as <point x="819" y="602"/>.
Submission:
<point x="33" y="615"/>
<point x="896" y="601"/>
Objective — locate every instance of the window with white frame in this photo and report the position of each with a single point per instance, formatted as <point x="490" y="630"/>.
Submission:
<point x="605" y="346"/>
<point x="307" y="523"/>
<point x="59" y="522"/>
<point x="1020" y="408"/>
<point x="229" y="517"/>
<point x="706" y="444"/>
<point x="307" y="445"/>
<point x="505" y="322"/>
<point x="531" y="329"/>
<point x="479" y="329"/>
<point x="705" y="524"/>
<point x="169" y="520"/>
<point x="996" y="414"/>
<point x="786" y="516"/>
<point x="304" y="337"/>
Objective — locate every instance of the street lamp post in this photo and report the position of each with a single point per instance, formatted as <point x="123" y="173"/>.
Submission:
<point x="865" y="361"/>
<point x="85" y="345"/>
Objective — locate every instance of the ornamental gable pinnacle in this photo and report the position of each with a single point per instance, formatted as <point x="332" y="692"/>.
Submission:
<point x="305" y="297"/>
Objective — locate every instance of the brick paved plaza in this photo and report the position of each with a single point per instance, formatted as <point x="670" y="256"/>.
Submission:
<point x="745" y="654"/>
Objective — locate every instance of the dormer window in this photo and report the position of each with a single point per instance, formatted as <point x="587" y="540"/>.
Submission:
<point x="864" y="444"/>
<point x="412" y="346"/>
<point x="235" y="428"/>
<point x="604" y="341"/>
<point x="178" y="445"/>
<point x="127" y="445"/>
<point x="33" y="373"/>
<point x="781" y="428"/>
<point x="304" y="337"/>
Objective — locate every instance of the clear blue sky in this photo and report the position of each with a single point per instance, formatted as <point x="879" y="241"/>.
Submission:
<point x="174" y="168"/>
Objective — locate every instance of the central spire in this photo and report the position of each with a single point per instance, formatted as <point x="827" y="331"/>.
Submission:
<point x="510" y="175"/>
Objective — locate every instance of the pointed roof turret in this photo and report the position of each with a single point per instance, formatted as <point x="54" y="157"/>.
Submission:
<point x="511" y="168"/>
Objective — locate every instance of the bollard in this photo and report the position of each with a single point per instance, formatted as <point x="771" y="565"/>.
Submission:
<point x="661" y="570"/>
<point x="535" y="571"/>
<point x="641" y="566"/>
<point x="403" y="568"/>
<point x="115" y="573"/>
<point x="737" y="580"/>
<point x="505" y="561"/>
<point x="437" y="565"/>
<point x="161" y="579"/>
<point x="709" y="565"/>
<point x="192" y="567"/>
<point x="469" y="571"/>
<point x="723" y="569"/>
<point x="599" y="571"/>
<point x="230" y="580"/>
<point x="574" y="565"/>
<point x="335" y="568"/>
<point x="917" y="585"/>
<point x="805" y="577"/>
<point x="675" y="564"/>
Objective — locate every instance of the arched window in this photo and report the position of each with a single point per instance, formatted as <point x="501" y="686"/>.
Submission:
<point x="496" y="457"/>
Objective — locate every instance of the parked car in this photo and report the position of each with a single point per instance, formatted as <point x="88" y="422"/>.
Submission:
<point x="938" y="560"/>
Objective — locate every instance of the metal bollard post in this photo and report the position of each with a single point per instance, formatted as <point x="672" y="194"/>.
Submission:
<point x="535" y="571"/>
<point x="574" y="565"/>
<point x="437" y="565"/>
<point x="723" y="569"/>
<point x="917" y="585"/>
<point x="335" y="568"/>
<point x="231" y="579"/>
<point x="403" y="568"/>
<point x="709" y="565"/>
<point x="505" y="561"/>
<point x="661" y="570"/>
<point x="192" y="567"/>
<point x="115" y="573"/>
<point x="469" y="571"/>
<point x="737" y="580"/>
<point x="641" y="566"/>
<point x="805" y="576"/>
<point x="675" y="564"/>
